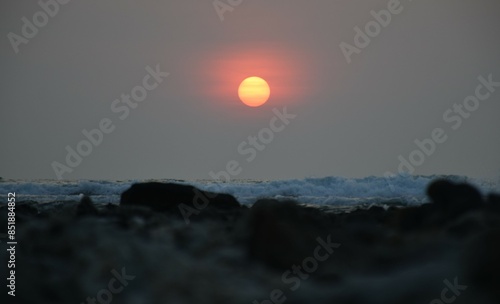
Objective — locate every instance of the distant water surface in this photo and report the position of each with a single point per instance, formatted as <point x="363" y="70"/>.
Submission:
<point x="326" y="191"/>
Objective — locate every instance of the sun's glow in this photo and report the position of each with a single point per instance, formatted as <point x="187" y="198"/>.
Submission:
<point x="254" y="91"/>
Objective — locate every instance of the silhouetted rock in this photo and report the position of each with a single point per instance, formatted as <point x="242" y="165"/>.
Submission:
<point x="168" y="197"/>
<point x="439" y="192"/>
<point x="494" y="198"/>
<point x="425" y="216"/>
<point x="374" y="214"/>
<point x="468" y="225"/>
<point x="482" y="263"/>
<point x="86" y="207"/>
<point x="24" y="210"/>
<point x="281" y="233"/>
<point x="449" y="201"/>
<point x="454" y="199"/>
<point x="400" y="254"/>
<point x="493" y="202"/>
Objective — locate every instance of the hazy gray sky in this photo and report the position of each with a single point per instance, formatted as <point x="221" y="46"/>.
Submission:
<point x="409" y="82"/>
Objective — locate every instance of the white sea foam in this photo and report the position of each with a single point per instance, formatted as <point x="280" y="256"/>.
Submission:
<point x="320" y="191"/>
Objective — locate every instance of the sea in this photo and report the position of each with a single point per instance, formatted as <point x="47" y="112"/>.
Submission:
<point x="323" y="192"/>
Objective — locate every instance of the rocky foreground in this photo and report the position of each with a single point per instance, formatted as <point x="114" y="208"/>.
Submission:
<point x="168" y="243"/>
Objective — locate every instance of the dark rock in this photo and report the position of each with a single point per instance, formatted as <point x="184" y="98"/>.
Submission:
<point x="374" y="214"/>
<point x="281" y="233"/>
<point x="494" y="198"/>
<point x="439" y="192"/>
<point x="493" y="202"/>
<point x="25" y="212"/>
<point x="453" y="199"/>
<point x="418" y="217"/>
<point x="27" y="208"/>
<point x="376" y="210"/>
<point x="482" y="264"/>
<point x="86" y="207"/>
<point x="449" y="201"/>
<point x="468" y="225"/>
<point x="169" y="196"/>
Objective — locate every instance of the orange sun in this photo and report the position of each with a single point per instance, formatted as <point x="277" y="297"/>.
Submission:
<point x="254" y="91"/>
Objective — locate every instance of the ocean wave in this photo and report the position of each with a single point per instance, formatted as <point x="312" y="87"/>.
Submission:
<point x="320" y="191"/>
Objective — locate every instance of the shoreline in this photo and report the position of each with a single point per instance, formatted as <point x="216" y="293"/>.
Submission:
<point x="275" y="249"/>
